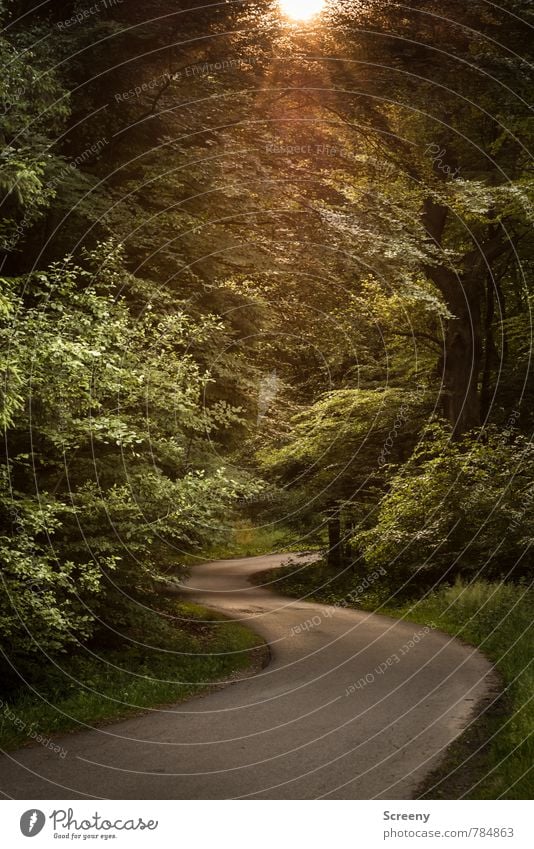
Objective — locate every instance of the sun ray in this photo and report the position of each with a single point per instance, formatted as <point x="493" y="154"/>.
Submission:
<point x="301" y="10"/>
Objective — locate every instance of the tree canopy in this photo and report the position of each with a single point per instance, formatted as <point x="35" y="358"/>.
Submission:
<point x="243" y="253"/>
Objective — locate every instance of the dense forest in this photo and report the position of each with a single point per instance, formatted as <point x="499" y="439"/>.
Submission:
<point x="260" y="280"/>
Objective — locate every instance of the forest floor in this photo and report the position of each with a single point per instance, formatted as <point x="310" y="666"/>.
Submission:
<point x="165" y="663"/>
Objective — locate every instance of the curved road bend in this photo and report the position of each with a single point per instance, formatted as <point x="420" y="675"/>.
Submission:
<point x="300" y="729"/>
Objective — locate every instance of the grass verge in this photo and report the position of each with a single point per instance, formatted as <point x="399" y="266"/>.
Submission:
<point x="185" y="657"/>
<point x="494" y="758"/>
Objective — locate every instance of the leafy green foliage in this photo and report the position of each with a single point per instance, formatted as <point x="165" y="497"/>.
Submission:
<point x="457" y="507"/>
<point x="34" y="107"/>
<point x="44" y="596"/>
<point x="109" y="473"/>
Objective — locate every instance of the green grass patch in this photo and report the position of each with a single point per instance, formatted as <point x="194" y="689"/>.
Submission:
<point x="173" y="660"/>
<point x="495" y="757"/>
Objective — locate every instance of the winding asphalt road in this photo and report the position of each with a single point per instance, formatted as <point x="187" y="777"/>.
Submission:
<point x="351" y="706"/>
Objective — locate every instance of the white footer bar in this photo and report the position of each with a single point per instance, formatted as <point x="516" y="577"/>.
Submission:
<point x="267" y="824"/>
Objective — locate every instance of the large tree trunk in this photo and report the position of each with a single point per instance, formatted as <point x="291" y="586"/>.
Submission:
<point x="462" y="350"/>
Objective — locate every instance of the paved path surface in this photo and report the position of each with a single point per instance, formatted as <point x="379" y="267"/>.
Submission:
<point x="300" y="729"/>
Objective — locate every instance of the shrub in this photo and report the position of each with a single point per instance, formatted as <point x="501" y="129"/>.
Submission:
<point x="457" y="508"/>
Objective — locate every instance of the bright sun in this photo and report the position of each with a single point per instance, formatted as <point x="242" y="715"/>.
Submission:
<point x="301" y="10"/>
